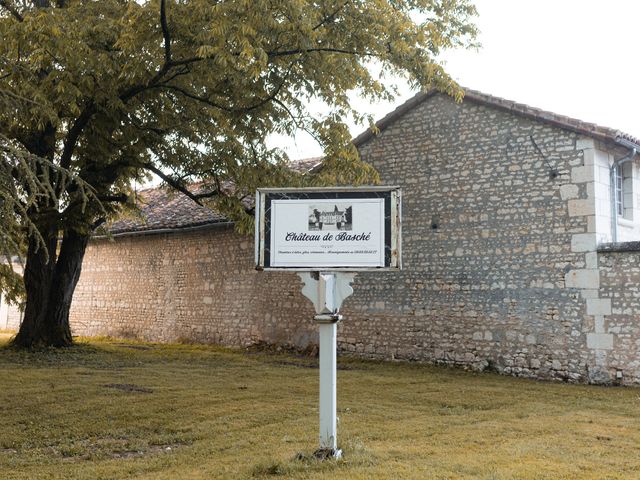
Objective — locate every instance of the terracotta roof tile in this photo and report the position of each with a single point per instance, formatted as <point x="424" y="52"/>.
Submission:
<point x="161" y="209"/>
<point x="305" y="164"/>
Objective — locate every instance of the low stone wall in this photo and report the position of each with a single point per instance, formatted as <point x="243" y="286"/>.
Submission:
<point x="620" y="281"/>
<point x="10" y="315"/>
<point x="197" y="286"/>
<point x="201" y="286"/>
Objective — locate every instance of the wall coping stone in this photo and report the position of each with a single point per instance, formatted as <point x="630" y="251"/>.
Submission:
<point x="619" y="247"/>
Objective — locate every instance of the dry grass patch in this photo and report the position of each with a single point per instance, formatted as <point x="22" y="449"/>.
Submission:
<point x="125" y="410"/>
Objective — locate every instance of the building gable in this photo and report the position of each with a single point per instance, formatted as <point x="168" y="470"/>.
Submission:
<point x="591" y="130"/>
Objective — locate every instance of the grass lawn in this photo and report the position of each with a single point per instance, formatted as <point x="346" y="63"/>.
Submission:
<point x="122" y="410"/>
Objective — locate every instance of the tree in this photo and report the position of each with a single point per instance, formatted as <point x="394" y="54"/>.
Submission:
<point x="22" y="190"/>
<point x="186" y="90"/>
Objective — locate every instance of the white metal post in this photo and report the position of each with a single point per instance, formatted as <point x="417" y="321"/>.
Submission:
<point x="328" y="357"/>
<point x="327" y="290"/>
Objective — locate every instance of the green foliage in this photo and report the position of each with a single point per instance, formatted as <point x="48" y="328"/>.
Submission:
<point x="114" y="90"/>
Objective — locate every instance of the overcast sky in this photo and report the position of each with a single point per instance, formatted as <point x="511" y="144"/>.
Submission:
<point x="573" y="57"/>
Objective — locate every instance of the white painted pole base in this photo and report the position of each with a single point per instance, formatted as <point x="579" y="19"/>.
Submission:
<point x="328" y="363"/>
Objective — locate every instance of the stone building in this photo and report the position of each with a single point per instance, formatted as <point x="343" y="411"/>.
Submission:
<point x="521" y="253"/>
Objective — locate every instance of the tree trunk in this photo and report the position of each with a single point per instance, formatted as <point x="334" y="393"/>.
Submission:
<point x="49" y="284"/>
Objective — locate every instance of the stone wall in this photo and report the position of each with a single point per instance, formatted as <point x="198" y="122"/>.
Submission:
<point x="197" y="286"/>
<point x="490" y="209"/>
<point x="620" y="281"/>
<point x="499" y="253"/>
<point x="10" y="315"/>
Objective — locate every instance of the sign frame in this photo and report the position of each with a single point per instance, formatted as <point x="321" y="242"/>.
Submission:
<point x="392" y="226"/>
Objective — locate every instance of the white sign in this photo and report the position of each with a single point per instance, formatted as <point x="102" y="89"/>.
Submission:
<point x="313" y="229"/>
<point x="327" y="233"/>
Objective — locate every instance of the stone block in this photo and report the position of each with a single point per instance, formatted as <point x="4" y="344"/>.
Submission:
<point x="599" y="376"/>
<point x="582" y="174"/>
<point x="589" y="156"/>
<point x="600" y="341"/>
<point x="582" y="207"/>
<point x="583" y="242"/>
<point x="585" y="143"/>
<point x="568" y="191"/>
<point x="595" y="293"/>
<point x="598" y="306"/>
<point x="582" y="278"/>
<point x="591" y="259"/>
<point x="598" y="324"/>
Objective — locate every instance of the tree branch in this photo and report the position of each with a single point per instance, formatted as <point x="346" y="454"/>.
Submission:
<point x="179" y="185"/>
<point x="168" y="63"/>
<point x="98" y="222"/>
<point x="331" y="16"/>
<point x="212" y="193"/>
<point x="193" y="96"/>
<point x="12" y="10"/>
<point x="272" y="96"/>
<point x="83" y="119"/>
<point x="320" y="49"/>
<point x="74" y="133"/>
<point x="165" y="32"/>
<point x="119" y="198"/>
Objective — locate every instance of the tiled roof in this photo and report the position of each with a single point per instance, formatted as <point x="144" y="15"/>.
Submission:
<point x="161" y="209"/>
<point x="306" y="164"/>
<point x="588" y="129"/>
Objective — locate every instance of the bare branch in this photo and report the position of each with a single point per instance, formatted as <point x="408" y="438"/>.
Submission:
<point x="212" y="193"/>
<point x="185" y="70"/>
<point x="185" y="61"/>
<point x="296" y="121"/>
